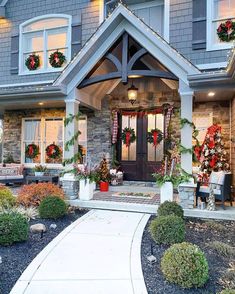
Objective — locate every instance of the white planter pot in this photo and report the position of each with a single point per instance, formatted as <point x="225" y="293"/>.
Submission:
<point x="39" y="174"/>
<point x="166" y="192"/>
<point x="86" y="190"/>
<point x="94" y="185"/>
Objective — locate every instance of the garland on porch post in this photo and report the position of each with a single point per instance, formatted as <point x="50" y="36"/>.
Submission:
<point x="73" y="139"/>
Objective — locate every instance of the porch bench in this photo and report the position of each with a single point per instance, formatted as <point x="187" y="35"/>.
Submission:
<point x="12" y="173"/>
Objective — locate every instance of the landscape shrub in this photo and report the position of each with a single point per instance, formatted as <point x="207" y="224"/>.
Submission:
<point x="186" y="265"/>
<point x="228" y="291"/>
<point x="170" y="207"/>
<point x="222" y="248"/>
<point x="168" y="229"/>
<point x="6" y="197"/>
<point x="214" y="225"/>
<point x="32" y="195"/>
<point x="52" y="207"/>
<point x="13" y="228"/>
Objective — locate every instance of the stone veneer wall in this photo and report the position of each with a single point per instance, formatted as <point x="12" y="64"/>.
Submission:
<point x="12" y="128"/>
<point x="233" y="139"/>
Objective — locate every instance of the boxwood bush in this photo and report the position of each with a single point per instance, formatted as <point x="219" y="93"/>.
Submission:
<point x="170" y="207"/>
<point x="186" y="265"/>
<point x="7" y="199"/>
<point x="13" y="228"/>
<point x="168" y="229"/>
<point x="52" y="207"/>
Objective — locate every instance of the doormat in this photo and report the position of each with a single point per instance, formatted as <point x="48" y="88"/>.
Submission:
<point x="148" y="195"/>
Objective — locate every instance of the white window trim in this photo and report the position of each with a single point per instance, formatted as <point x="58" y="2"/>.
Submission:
<point x="166" y="24"/>
<point x="210" y="46"/>
<point x="49" y="70"/>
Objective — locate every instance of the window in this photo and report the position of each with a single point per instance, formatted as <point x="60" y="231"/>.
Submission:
<point x="129" y="152"/>
<point x="45" y="131"/>
<point x="218" y="11"/>
<point x="202" y="122"/>
<point x="43" y="36"/>
<point x="154" y="13"/>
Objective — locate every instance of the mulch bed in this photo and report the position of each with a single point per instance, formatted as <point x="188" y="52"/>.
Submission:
<point x="17" y="257"/>
<point x="198" y="233"/>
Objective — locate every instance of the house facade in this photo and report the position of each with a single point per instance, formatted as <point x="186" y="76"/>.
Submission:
<point x="167" y="50"/>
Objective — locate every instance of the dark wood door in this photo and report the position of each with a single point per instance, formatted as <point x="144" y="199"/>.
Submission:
<point x="140" y="159"/>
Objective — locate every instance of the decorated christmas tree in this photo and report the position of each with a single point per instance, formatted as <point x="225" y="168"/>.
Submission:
<point x="104" y="171"/>
<point x="213" y="156"/>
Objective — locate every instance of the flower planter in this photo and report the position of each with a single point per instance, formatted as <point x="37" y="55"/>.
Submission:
<point x="39" y="174"/>
<point x="86" y="189"/>
<point x="104" y="186"/>
<point x="166" y="192"/>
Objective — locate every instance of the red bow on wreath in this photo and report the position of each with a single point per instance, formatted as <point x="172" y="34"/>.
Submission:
<point x="228" y="24"/>
<point x="128" y="137"/>
<point x="56" y="58"/>
<point x="155" y="135"/>
<point x="32" y="62"/>
<point x="30" y="150"/>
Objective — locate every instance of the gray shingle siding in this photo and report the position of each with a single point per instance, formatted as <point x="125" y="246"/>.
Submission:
<point x="181" y="34"/>
<point x="18" y="11"/>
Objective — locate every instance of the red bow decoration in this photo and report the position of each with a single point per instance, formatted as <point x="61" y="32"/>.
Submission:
<point x="56" y="58"/>
<point x="128" y="137"/>
<point x="228" y="24"/>
<point x="32" y="62"/>
<point x="30" y="150"/>
<point x="155" y="135"/>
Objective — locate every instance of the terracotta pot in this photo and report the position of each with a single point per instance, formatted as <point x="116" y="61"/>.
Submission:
<point x="104" y="186"/>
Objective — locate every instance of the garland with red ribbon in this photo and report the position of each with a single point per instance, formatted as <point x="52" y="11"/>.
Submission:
<point x="128" y="136"/>
<point x="155" y="136"/>
<point x="226" y="31"/>
<point x="32" y="62"/>
<point x="53" y="151"/>
<point x="57" y="59"/>
<point x="32" y="151"/>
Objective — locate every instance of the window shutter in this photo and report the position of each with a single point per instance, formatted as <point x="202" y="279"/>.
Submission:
<point x="14" y="54"/>
<point x="199" y="24"/>
<point x="76" y="38"/>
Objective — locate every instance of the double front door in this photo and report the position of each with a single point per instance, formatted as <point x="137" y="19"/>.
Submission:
<point x="141" y="158"/>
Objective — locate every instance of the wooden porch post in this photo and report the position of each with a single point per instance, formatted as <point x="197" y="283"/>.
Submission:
<point x="186" y="96"/>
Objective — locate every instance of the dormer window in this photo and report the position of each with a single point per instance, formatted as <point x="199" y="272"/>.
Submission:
<point x="219" y="12"/>
<point x="41" y="37"/>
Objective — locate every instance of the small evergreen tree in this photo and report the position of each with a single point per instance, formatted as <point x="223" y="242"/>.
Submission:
<point x="104" y="170"/>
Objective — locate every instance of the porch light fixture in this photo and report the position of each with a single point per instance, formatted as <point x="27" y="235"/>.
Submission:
<point x="211" y="94"/>
<point x="132" y="93"/>
<point x="40" y="103"/>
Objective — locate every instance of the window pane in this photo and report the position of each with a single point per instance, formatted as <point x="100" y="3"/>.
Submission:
<point x="32" y="135"/>
<point x="82" y="139"/>
<point x="33" y="42"/>
<point x="129" y="153"/>
<point x="56" y="39"/>
<point x="46" y="24"/>
<point x="224" y="8"/>
<point x="54" y="135"/>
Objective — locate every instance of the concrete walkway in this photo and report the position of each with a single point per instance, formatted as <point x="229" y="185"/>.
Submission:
<point x="97" y="254"/>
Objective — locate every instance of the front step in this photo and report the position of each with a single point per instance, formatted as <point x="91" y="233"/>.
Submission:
<point x="140" y="184"/>
<point x="134" y="189"/>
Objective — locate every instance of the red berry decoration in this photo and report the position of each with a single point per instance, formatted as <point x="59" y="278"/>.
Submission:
<point x="226" y="31"/>
<point x="32" y="62"/>
<point x="57" y="59"/>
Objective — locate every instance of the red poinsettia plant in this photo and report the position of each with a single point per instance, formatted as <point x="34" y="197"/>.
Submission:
<point x="226" y="31"/>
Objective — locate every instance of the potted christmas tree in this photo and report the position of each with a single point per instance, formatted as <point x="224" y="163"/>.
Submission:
<point x="104" y="175"/>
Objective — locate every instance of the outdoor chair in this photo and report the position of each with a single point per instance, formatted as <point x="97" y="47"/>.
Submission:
<point x="221" y="184"/>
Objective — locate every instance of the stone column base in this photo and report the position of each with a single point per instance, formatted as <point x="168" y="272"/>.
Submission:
<point x="186" y="195"/>
<point x="70" y="186"/>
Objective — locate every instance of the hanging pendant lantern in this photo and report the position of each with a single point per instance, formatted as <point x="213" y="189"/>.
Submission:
<point x="132" y="93"/>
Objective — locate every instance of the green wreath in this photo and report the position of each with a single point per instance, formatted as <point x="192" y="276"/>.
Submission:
<point x="57" y="59"/>
<point x="32" y="151"/>
<point x="53" y="151"/>
<point x="128" y="136"/>
<point x="32" y="62"/>
<point x="226" y="31"/>
<point x="155" y="136"/>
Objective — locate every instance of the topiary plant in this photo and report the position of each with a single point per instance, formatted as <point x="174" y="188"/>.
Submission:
<point x="168" y="229"/>
<point x="6" y="197"/>
<point x="170" y="207"/>
<point x="13" y="228"/>
<point x="32" y="195"/>
<point x="186" y="265"/>
<point x="52" y="207"/>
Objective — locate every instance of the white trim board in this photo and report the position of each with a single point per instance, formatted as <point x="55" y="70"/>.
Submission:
<point x="3" y="3"/>
<point x="212" y="65"/>
<point x="26" y="84"/>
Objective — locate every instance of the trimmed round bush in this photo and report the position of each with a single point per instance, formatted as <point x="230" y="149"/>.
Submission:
<point x="13" y="228"/>
<point x="185" y="264"/>
<point x="52" y="207"/>
<point x="228" y="291"/>
<point x="168" y="229"/>
<point x="170" y="207"/>
<point x="6" y="197"/>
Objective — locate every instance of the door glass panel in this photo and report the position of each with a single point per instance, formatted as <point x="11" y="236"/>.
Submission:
<point x="155" y="153"/>
<point x="129" y="152"/>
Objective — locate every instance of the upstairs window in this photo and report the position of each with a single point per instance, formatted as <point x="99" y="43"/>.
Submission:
<point x="218" y="11"/>
<point x="43" y="36"/>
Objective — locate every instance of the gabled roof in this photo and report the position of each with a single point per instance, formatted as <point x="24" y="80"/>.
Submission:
<point x="123" y="20"/>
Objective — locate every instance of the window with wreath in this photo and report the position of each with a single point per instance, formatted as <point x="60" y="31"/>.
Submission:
<point x="220" y="24"/>
<point x="45" y="44"/>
